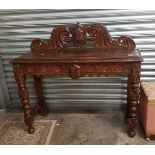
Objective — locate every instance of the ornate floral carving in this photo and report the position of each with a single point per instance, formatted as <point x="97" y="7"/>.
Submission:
<point x="80" y="36"/>
<point x="59" y="37"/>
<point x="75" y="71"/>
<point x="44" y="69"/>
<point x="100" y="36"/>
<point x="39" y="45"/>
<point x="126" y="41"/>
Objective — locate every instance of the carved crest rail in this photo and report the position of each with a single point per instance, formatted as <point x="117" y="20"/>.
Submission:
<point x="77" y="35"/>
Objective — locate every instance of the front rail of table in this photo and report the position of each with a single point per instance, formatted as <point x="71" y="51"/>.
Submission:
<point x="109" y="57"/>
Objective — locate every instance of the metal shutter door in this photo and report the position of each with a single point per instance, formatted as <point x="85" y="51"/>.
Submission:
<point x="19" y="27"/>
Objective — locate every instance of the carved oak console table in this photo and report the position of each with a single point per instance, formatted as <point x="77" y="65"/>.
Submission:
<point x="76" y="51"/>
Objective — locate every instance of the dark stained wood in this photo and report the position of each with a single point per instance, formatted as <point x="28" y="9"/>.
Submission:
<point x="79" y="36"/>
<point x="40" y="107"/>
<point x="76" y="51"/>
<point x="24" y="95"/>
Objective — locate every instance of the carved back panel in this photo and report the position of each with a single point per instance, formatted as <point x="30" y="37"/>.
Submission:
<point x="79" y="36"/>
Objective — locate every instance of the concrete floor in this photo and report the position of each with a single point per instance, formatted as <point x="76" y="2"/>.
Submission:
<point x="83" y="127"/>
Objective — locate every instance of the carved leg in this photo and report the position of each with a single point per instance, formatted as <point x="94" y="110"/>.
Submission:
<point x="23" y="93"/>
<point x="40" y="107"/>
<point x="128" y="97"/>
<point x="134" y="96"/>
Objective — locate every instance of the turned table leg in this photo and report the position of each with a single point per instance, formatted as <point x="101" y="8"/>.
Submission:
<point x="128" y="97"/>
<point x="40" y="107"/>
<point x="24" y="95"/>
<point x="133" y="98"/>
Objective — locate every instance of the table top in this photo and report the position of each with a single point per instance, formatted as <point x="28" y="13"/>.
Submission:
<point x="82" y="55"/>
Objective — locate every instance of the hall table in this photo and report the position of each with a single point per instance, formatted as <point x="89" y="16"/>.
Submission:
<point x="76" y="51"/>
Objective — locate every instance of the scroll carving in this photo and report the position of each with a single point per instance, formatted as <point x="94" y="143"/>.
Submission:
<point x="101" y="35"/>
<point x="58" y="37"/>
<point x="80" y="37"/>
<point x="39" y="45"/>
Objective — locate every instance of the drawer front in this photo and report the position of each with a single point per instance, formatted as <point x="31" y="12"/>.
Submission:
<point x="76" y="70"/>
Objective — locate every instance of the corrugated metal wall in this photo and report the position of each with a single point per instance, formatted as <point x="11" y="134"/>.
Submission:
<point x="19" y="27"/>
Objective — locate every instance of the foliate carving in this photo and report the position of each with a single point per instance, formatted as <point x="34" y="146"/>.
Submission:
<point x="39" y="45"/>
<point x="74" y="71"/>
<point x="99" y="36"/>
<point x="126" y="41"/>
<point x="80" y="36"/>
<point x="111" y="68"/>
<point x="59" y="37"/>
<point x="46" y="69"/>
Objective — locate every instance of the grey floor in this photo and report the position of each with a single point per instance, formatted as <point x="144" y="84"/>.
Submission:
<point x="83" y="127"/>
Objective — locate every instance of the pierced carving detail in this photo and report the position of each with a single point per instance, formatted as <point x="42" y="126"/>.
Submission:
<point x="59" y="37"/>
<point x="80" y="36"/>
<point x="99" y="36"/>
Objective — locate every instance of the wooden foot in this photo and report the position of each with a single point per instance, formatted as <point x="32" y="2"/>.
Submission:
<point x="31" y="130"/>
<point x="131" y="133"/>
<point x="132" y="122"/>
<point x="29" y="119"/>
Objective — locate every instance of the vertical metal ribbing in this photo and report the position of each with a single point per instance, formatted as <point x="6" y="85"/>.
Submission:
<point x="19" y="27"/>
